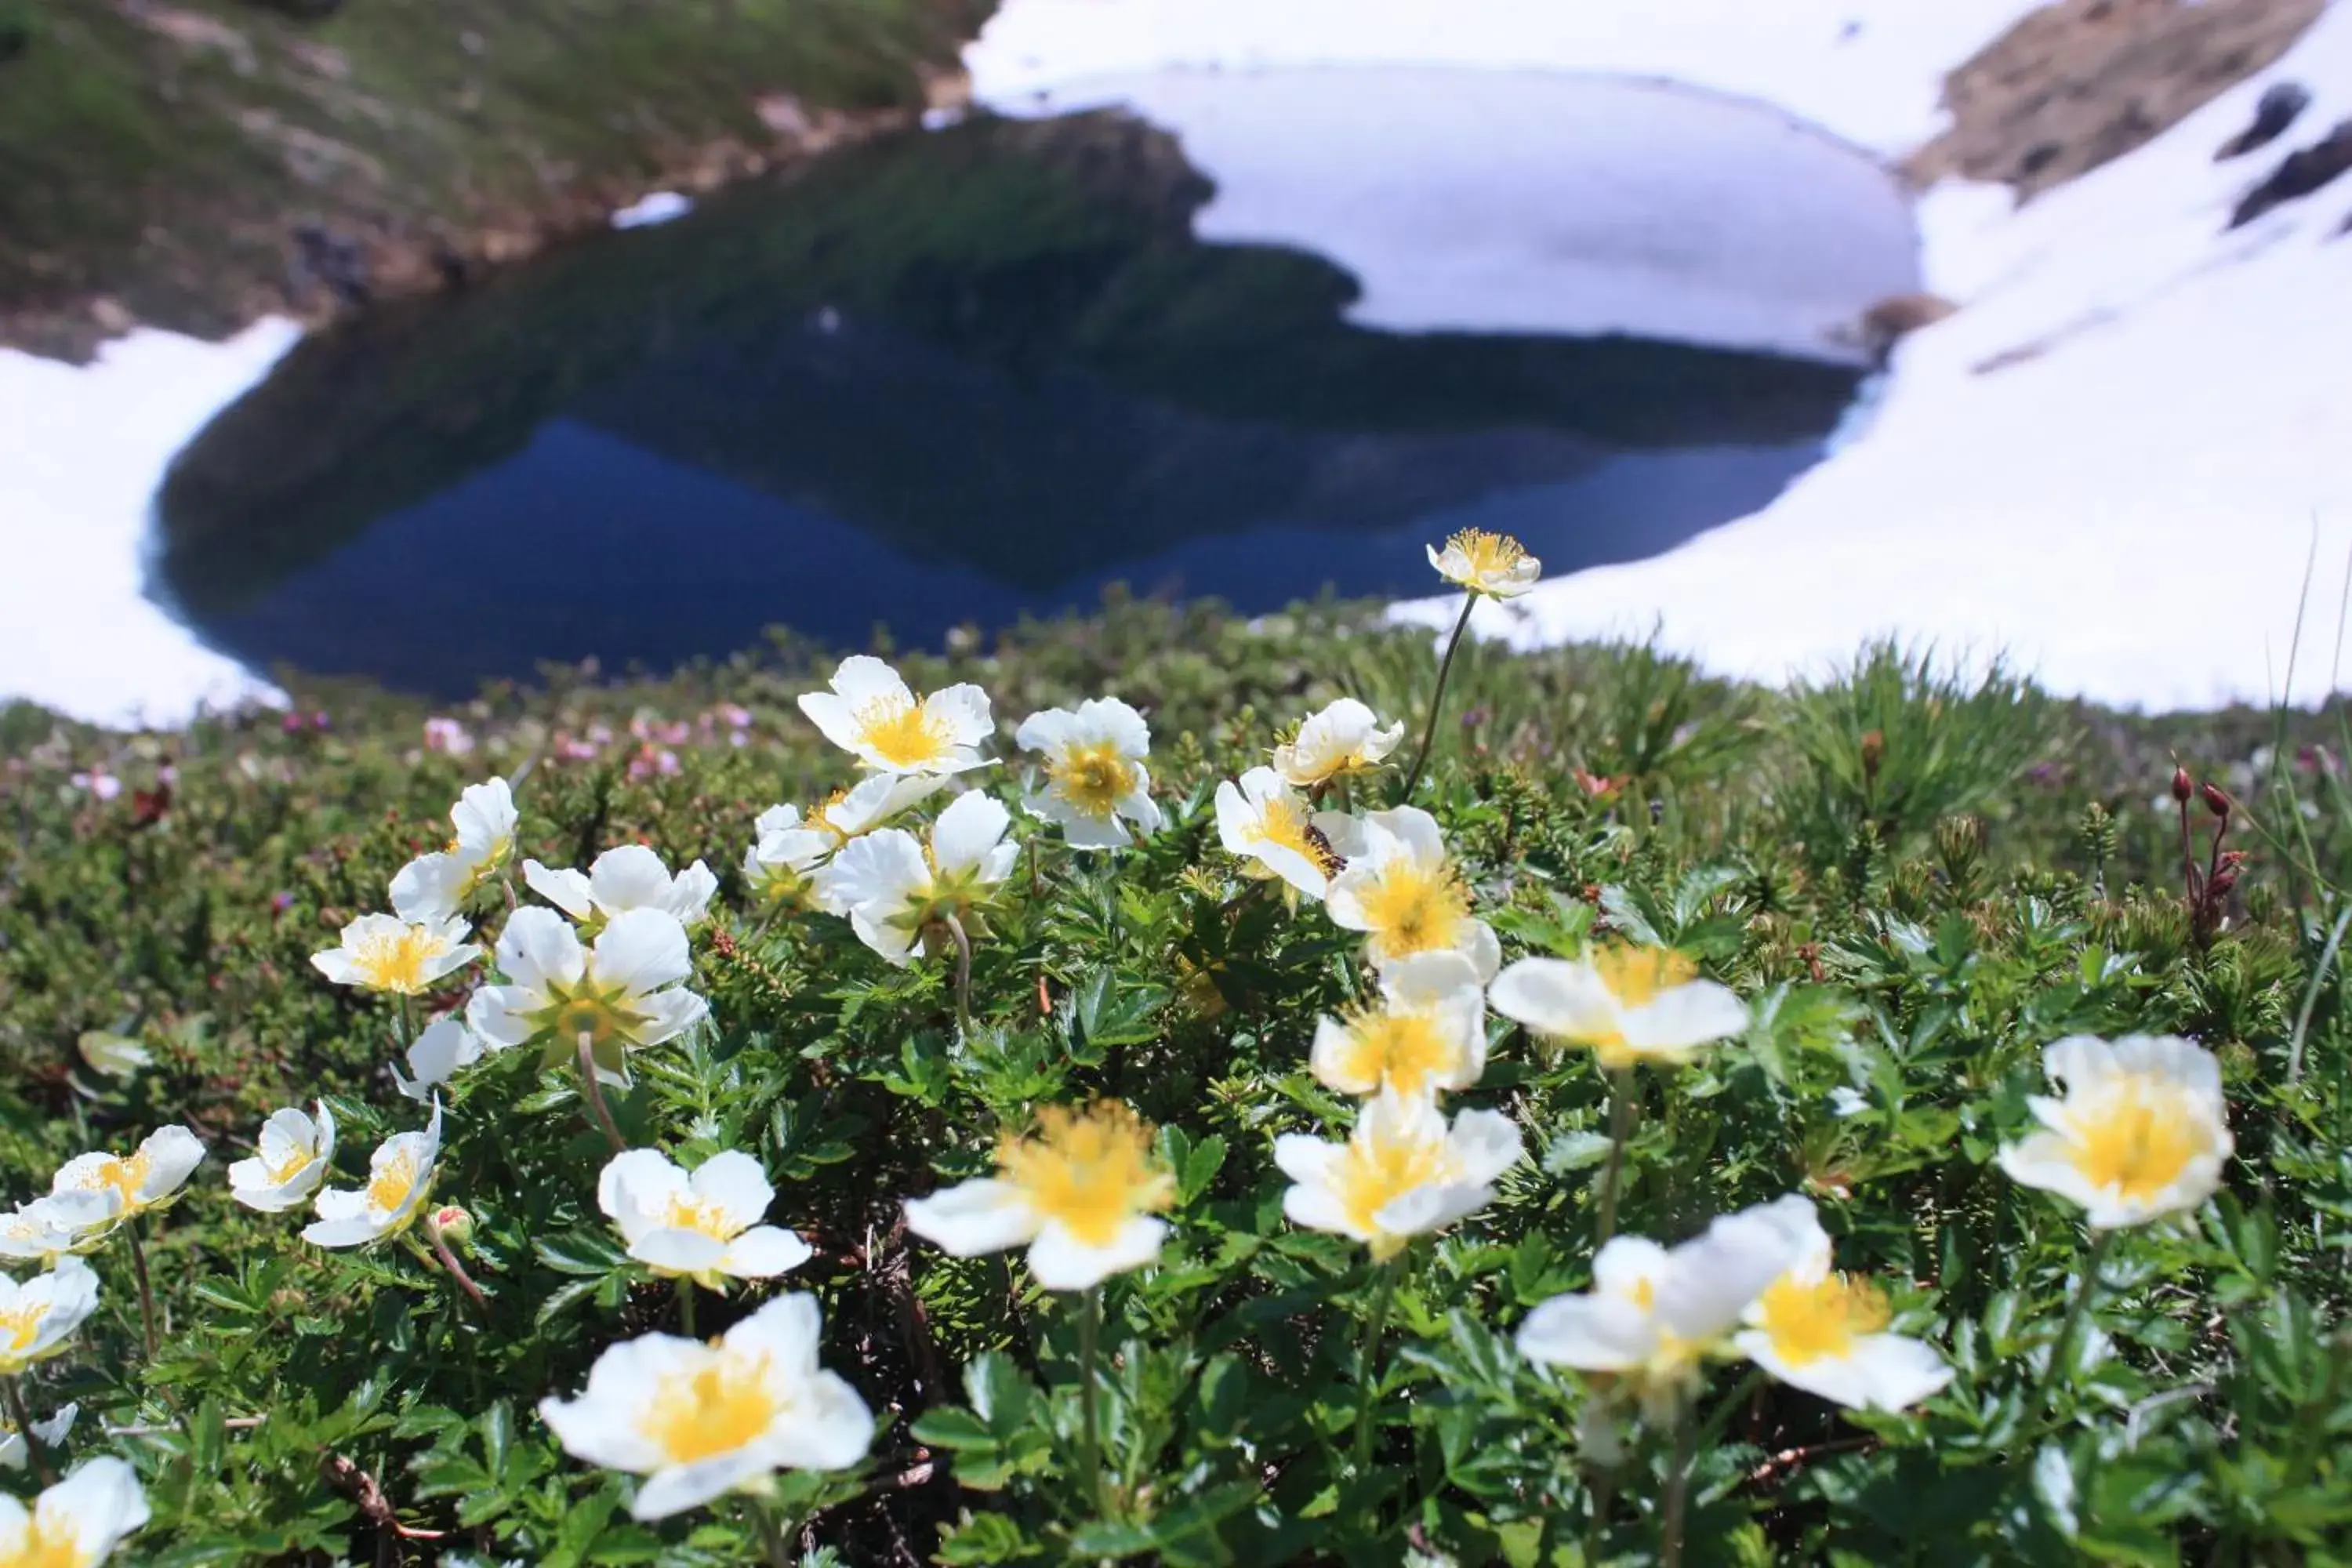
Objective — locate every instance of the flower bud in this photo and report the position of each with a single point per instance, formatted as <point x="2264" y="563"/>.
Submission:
<point x="452" y="1225"/>
<point x="2216" y="802"/>
<point x="2181" y="788"/>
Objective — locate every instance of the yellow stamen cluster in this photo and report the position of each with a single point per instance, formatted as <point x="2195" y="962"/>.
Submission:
<point x="687" y="1213"/>
<point x="392" y="1183"/>
<point x="1370" y="1175"/>
<point x="40" y="1549"/>
<point x="1093" y="1171"/>
<point x="903" y="733"/>
<point x="1821" y="1319"/>
<point x="1488" y="554"/>
<point x="1094" y="778"/>
<point x="1406" y="1048"/>
<point x="2136" y="1136"/>
<point x="395" y="961"/>
<point x="1410" y="908"/>
<point x="712" y="1408"/>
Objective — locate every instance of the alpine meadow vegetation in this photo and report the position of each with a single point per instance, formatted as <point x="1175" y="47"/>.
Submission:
<point x="1165" y="1088"/>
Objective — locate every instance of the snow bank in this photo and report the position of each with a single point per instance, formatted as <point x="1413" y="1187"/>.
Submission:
<point x="2113" y="463"/>
<point x="85" y="449"/>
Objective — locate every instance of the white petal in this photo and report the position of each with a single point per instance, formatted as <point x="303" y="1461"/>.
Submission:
<point x="1046" y="730"/>
<point x="974" y="1218"/>
<point x="642" y="950"/>
<point x="1483" y="1144"/>
<point x="681" y="1487"/>
<point x="2079" y="1061"/>
<point x="879" y="871"/>
<point x="675" y="1251"/>
<point x="966" y="831"/>
<point x="669" y="1013"/>
<point x="1060" y="1261"/>
<point x="1590" y="1333"/>
<point x="736" y="1184"/>
<point x="862" y="678"/>
<point x="171" y="1152"/>
<point x="628" y="877"/>
<point x="636" y="1186"/>
<point x="965" y="710"/>
<point x="497" y="1015"/>
<point x="831" y="1429"/>
<point x="567" y="889"/>
<point x="1552" y="996"/>
<point x="1683" y="1017"/>
<point x="763" y="1252"/>
<point x="536" y="947"/>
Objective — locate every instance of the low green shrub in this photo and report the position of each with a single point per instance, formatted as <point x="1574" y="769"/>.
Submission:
<point x="1709" y="1212"/>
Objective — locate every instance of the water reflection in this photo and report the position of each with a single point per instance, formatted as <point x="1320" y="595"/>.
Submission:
<point x="954" y="377"/>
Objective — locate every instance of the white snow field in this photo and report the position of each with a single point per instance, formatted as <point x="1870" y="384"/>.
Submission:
<point x="2114" y="463"/>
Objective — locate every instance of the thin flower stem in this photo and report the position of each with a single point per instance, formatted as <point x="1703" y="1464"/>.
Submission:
<point x="407" y="1022"/>
<point x="146" y="1289"/>
<point x="449" y="1257"/>
<point x="1384" y="1285"/>
<point x="1437" y="697"/>
<point x="35" y="1449"/>
<point x="593" y="1093"/>
<point x="1670" y="1525"/>
<point x="1091" y="1421"/>
<point x="775" y="1538"/>
<point x="2061" y="1348"/>
<point x="1620" y="1132"/>
<point x="962" y="978"/>
<point x="686" y="1306"/>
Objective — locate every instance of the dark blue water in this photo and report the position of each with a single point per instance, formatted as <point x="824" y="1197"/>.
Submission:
<point x="953" y="380"/>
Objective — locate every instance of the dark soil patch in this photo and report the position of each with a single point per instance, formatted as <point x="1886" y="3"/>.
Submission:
<point x="2082" y="82"/>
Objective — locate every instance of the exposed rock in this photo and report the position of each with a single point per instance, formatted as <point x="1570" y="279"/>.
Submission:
<point x="2081" y="82"/>
<point x="2304" y="171"/>
<point x="2281" y="102"/>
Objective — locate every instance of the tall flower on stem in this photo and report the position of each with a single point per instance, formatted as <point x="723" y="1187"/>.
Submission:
<point x="1484" y="566"/>
<point x="1094" y="783"/>
<point x="1628" y="1004"/>
<point x="1080" y="1192"/>
<point x="1405" y="894"/>
<point x="2139" y="1135"/>
<point x="1402" y="1172"/>
<point x="873" y="713"/>
<point x="698" y="1420"/>
<point x="433" y="888"/>
<point x="900" y="892"/>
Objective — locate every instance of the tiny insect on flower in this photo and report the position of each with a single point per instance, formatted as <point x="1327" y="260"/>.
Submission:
<point x="1407" y="896"/>
<point x="1080" y="1192"/>
<point x="1343" y="739"/>
<point x="706" y="1225"/>
<point x="291" y="1160"/>
<point x="2141" y="1134"/>
<point x="1494" y="565"/>
<point x="1403" y="1171"/>
<point x="385" y="952"/>
<point x="1095" y="784"/>
<point x="874" y="714"/>
<point x="1628" y="1004"/>
<point x="1266" y="821"/>
<point x="698" y="1420"/>
<point x="78" y="1522"/>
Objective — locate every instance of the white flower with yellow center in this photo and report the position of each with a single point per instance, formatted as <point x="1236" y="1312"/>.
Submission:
<point x="870" y="711"/>
<point x="291" y="1160"/>
<point x="39" y="1315"/>
<point x="1628" y="1004"/>
<point x="16" y="1452"/>
<point x="149" y="1177"/>
<point x="1079" y="1193"/>
<point x="897" y="891"/>
<point x="1427" y="1033"/>
<point x="1402" y="1172"/>
<point x="1344" y="738"/>
<point x="622" y="994"/>
<point x="47" y="1228"/>
<point x="1264" y="820"/>
<point x="1494" y="565"/>
<point x="1407" y="896"/>
<point x="782" y="857"/>
<point x="385" y="952"/>
<point x="400" y="1178"/>
<point x="1096" y="783"/>
<point x="435" y="887"/>
<point x="78" y="1522"/>
<point x="1824" y="1331"/>
<point x="445" y="1046"/>
<point x="707" y="1227"/>
<point x="699" y="1420"/>
<point x="791" y="848"/>
<point x="2142" y="1133"/>
<point x="1655" y="1315"/>
<point x="626" y="877"/>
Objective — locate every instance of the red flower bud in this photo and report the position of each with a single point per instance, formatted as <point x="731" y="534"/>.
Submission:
<point x="2216" y="802"/>
<point x="2181" y="788"/>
